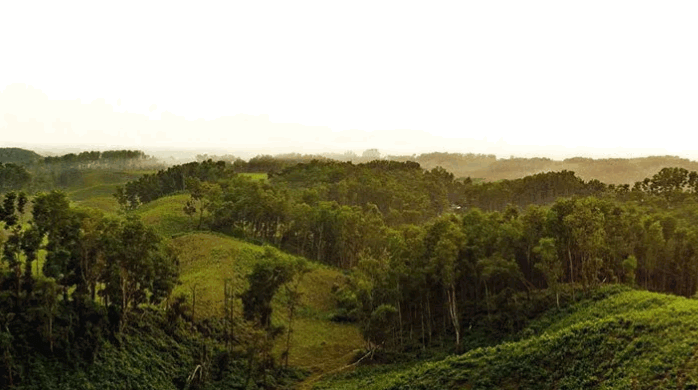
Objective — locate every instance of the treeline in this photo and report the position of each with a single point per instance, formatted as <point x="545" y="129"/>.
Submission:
<point x="70" y="170"/>
<point x="90" y="159"/>
<point x="13" y="177"/>
<point x="168" y="181"/>
<point x="29" y="171"/>
<point x="18" y="156"/>
<point x="272" y="164"/>
<point x="428" y="263"/>
<point x="541" y="188"/>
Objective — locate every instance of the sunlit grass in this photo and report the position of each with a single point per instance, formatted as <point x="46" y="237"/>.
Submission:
<point x="626" y="340"/>
<point x="256" y="176"/>
<point x="166" y="214"/>
<point x="207" y="260"/>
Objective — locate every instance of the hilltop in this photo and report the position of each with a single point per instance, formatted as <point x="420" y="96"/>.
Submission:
<point x="18" y="156"/>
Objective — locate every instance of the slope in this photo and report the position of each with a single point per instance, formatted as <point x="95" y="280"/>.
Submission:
<point x="618" y="339"/>
<point x="97" y="188"/>
<point x="208" y="259"/>
<point x="18" y="156"/>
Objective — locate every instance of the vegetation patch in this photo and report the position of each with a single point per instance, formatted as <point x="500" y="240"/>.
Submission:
<point x="615" y="340"/>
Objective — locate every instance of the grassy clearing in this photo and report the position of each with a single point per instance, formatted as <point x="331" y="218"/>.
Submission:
<point x="620" y="340"/>
<point x="106" y="204"/>
<point x="98" y="188"/>
<point x="256" y="176"/>
<point x="166" y="215"/>
<point x="99" y="177"/>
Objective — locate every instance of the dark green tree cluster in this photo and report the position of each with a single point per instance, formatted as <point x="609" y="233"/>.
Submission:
<point x="541" y="188"/>
<point x="672" y="184"/>
<point x="93" y="274"/>
<point x="169" y="181"/>
<point x="91" y="158"/>
<point x="18" y="156"/>
<point x="13" y="177"/>
<point x="438" y="280"/>
<point x="402" y="191"/>
<point x="273" y="164"/>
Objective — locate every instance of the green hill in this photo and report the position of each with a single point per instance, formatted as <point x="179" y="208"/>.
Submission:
<point x="97" y="188"/>
<point x="618" y="339"/>
<point x="208" y="259"/>
<point x="491" y="168"/>
<point x="18" y="156"/>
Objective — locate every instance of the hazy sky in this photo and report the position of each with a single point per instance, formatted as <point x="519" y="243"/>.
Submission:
<point x="556" y="78"/>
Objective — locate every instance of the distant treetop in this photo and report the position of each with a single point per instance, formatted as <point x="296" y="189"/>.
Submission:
<point x="18" y="156"/>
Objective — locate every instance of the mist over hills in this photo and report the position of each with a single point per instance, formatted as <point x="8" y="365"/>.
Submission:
<point x="487" y="167"/>
<point x="30" y="119"/>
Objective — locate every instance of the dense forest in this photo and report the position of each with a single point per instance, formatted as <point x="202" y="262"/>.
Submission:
<point x="465" y="249"/>
<point x="430" y="261"/>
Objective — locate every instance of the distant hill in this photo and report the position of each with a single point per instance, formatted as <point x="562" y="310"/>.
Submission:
<point x="18" y="156"/>
<point x="608" y="170"/>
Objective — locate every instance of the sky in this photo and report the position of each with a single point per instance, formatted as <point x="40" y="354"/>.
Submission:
<point x="526" y="78"/>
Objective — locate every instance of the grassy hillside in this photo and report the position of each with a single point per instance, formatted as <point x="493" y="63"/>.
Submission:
<point x="207" y="259"/>
<point x="98" y="187"/>
<point x="619" y="339"/>
<point x="167" y="215"/>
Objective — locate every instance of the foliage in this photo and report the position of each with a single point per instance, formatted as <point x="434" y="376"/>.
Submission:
<point x="615" y="340"/>
<point x="13" y="177"/>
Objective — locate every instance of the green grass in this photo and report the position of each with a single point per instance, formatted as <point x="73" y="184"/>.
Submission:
<point x="618" y="340"/>
<point x="98" y="188"/>
<point x="166" y="215"/>
<point x="207" y="259"/>
<point x="256" y="176"/>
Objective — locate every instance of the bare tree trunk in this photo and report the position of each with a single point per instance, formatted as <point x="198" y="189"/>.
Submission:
<point x="453" y="310"/>
<point x="569" y="255"/>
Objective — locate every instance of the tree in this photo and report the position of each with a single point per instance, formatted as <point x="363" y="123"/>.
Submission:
<point x="586" y="223"/>
<point x="629" y="267"/>
<point x="137" y="270"/>
<point x="371" y="154"/>
<point x="267" y="276"/>
<point x="204" y="197"/>
<point x="444" y="256"/>
<point x="550" y="265"/>
<point x="293" y="300"/>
